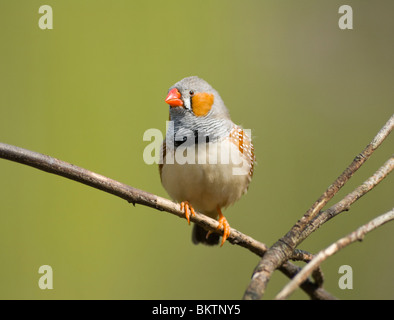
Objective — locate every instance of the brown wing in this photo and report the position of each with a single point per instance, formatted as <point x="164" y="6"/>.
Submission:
<point x="245" y="146"/>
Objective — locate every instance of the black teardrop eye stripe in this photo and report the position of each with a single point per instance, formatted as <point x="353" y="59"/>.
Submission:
<point x="191" y="104"/>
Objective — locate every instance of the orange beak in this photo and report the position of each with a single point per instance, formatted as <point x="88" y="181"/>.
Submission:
<point x="174" y="98"/>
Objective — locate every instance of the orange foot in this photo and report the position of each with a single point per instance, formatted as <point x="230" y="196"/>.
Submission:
<point x="187" y="210"/>
<point x="223" y="223"/>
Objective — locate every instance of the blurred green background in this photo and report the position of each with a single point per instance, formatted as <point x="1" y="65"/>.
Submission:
<point x="85" y="92"/>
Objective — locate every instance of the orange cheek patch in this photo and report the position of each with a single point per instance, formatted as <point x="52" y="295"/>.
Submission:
<point x="202" y="103"/>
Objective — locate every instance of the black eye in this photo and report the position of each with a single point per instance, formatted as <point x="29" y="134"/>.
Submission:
<point x="191" y="92"/>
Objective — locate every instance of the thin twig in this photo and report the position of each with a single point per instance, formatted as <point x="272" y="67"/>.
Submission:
<point x="291" y="270"/>
<point x="357" y="235"/>
<point x="344" y="177"/>
<point x="339" y="207"/>
<point x="350" y="198"/>
<point x="136" y="196"/>
<point x="284" y="247"/>
<point x="302" y="255"/>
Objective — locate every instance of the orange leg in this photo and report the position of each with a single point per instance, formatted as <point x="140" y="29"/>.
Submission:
<point x="223" y="223"/>
<point x="187" y="210"/>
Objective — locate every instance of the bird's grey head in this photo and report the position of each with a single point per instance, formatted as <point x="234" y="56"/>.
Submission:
<point x="196" y="106"/>
<point x="199" y="99"/>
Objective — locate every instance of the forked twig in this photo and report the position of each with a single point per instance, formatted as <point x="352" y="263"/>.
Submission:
<point x="282" y="250"/>
<point x="357" y="235"/>
<point x="350" y="198"/>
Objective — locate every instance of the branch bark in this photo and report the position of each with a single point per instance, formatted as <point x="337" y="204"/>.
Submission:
<point x="357" y="235"/>
<point x="282" y="250"/>
<point x="137" y="196"/>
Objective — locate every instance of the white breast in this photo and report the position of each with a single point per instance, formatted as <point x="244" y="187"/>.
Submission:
<point x="205" y="184"/>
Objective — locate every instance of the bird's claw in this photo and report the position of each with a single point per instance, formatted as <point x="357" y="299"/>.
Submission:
<point x="188" y="210"/>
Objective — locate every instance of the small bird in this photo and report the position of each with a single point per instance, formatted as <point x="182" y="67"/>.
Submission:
<point x="220" y="156"/>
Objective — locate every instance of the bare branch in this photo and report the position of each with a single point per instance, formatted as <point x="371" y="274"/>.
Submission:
<point x="136" y="196"/>
<point x="282" y="250"/>
<point x="357" y="235"/>
<point x="346" y="175"/>
<point x="291" y="270"/>
<point x="132" y="195"/>
<point x="302" y="255"/>
<point x="349" y="199"/>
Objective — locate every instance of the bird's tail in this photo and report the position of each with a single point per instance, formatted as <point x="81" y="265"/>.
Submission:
<point x="199" y="235"/>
